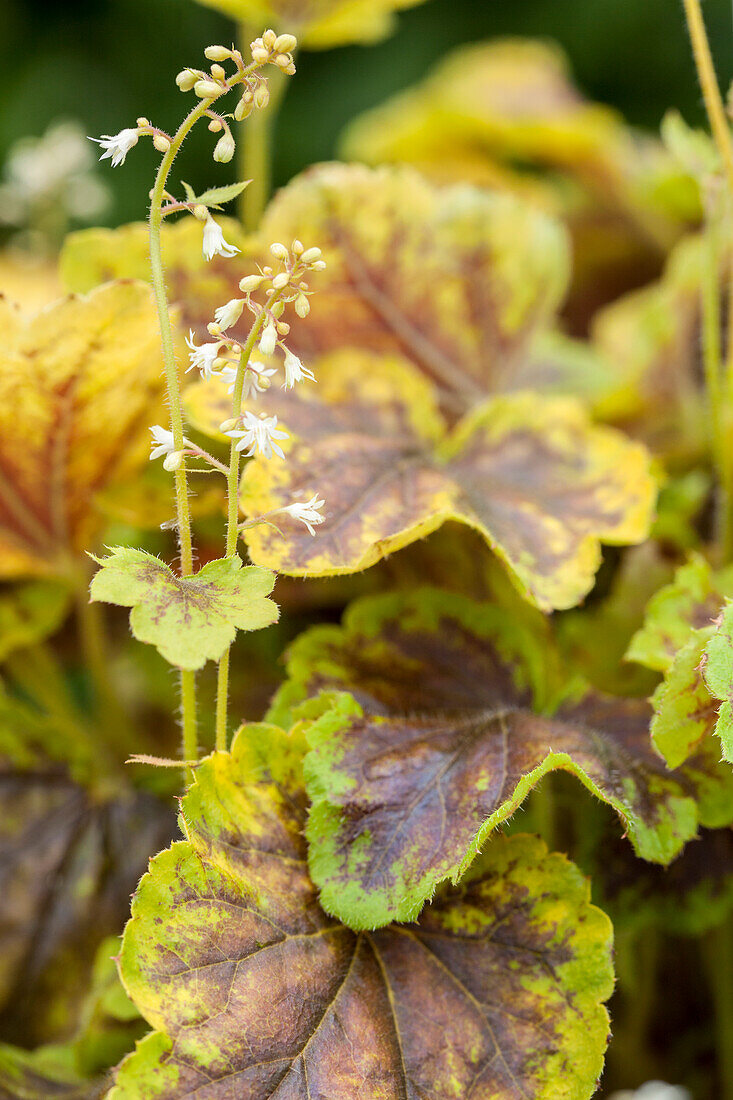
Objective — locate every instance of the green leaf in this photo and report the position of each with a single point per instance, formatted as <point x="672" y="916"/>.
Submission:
<point x="684" y="710"/>
<point x="190" y="193"/>
<point x="189" y="620"/>
<point x="215" y="196"/>
<point x="693" y="149"/>
<point x="255" y="991"/>
<point x="717" y="672"/>
<point x="456" y="713"/>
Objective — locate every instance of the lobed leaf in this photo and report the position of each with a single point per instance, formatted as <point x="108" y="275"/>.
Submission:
<point x="190" y="620"/>
<point x="717" y="671"/>
<point x="538" y="481"/>
<point x="79" y="384"/>
<point x="255" y="991"/>
<point x="455" y="713"/>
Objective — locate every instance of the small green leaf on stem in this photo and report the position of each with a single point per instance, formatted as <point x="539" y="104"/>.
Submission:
<point x="190" y="620"/>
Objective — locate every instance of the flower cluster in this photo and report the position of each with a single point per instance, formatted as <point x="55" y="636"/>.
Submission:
<point x="265" y="296"/>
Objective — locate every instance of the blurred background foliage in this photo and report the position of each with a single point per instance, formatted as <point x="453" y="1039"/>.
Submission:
<point x="104" y="62"/>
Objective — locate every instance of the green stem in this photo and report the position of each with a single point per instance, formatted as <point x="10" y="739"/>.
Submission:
<point x="256" y="148"/>
<point x="222" y="681"/>
<point x="183" y="514"/>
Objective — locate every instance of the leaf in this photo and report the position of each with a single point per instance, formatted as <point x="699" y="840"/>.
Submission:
<point x="541" y="483"/>
<point x="68" y="861"/>
<point x="220" y="195"/>
<point x="79" y="384"/>
<point x="694" y="149"/>
<point x="29" y="613"/>
<point x="93" y="256"/>
<point x="255" y="992"/>
<point x="318" y="24"/>
<point x="690" y="603"/>
<point x="456" y="712"/>
<point x="673" y="640"/>
<point x="457" y="279"/>
<point x="717" y="671"/>
<point x="511" y="117"/>
<point x="41" y="1075"/>
<point x="190" y="620"/>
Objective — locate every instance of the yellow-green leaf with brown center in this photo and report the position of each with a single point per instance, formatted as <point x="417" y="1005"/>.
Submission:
<point x="255" y="992"/>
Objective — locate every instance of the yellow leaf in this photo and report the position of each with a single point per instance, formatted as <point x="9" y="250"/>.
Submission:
<point x="79" y="385"/>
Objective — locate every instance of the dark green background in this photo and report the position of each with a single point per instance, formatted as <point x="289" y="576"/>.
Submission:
<point x="107" y="61"/>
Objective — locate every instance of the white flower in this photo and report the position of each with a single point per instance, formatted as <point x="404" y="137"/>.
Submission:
<point x="295" y="371"/>
<point x="117" y="146"/>
<point x="268" y="339"/>
<point x="308" y="512"/>
<point x="162" y="442"/>
<point x="229" y="314"/>
<point x="203" y="357"/>
<point x="253" y="376"/>
<point x="214" y="243"/>
<point x="259" y="434"/>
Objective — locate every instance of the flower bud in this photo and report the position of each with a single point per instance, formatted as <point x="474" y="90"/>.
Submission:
<point x="262" y="96"/>
<point x="250" y="283"/>
<point x="215" y="125"/>
<point x="281" y="281"/>
<point x="279" y="251"/>
<point x="243" y="109"/>
<point x="298" y="247"/>
<point x="310" y="255"/>
<point x="217" y="53"/>
<point x="213" y="328"/>
<point x="278" y="308"/>
<point x="319" y="265"/>
<point x="283" y="328"/>
<point x="142" y="122"/>
<point x="285" y="43"/>
<point x="220" y="362"/>
<point x="269" y="38"/>
<point x="224" y="150"/>
<point x="268" y="339"/>
<point x="200" y="212"/>
<point x="226" y="425"/>
<point x="173" y="461"/>
<point x="302" y="306"/>
<point x="186" y="79"/>
<point x="218" y="73"/>
<point x="260" y="55"/>
<point x="283" y="61"/>
<point x="161" y="143"/>
<point x="207" y="89"/>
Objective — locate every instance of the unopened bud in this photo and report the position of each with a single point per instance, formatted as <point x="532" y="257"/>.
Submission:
<point x="214" y="329"/>
<point x="243" y="109"/>
<point x="250" y="283"/>
<point x="283" y="61"/>
<point x="224" y="150"/>
<point x="220" y="362"/>
<point x="277" y="309"/>
<point x="283" y="328"/>
<point x="285" y="43"/>
<point x="260" y="55"/>
<point x="281" y="281"/>
<point x="199" y="211"/>
<point x="262" y="96"/>
<point x="161" y="143"/>
<point x="279" y="251"/>
<point x="264" y="382"/>
<point x="173" y="461"/>
<point x="311" y="255"/>
<point x="142" y="122"/>
<point x="186" y="79"/>
<point x="269" y="38"/>
<point x="227" y="424"/>
<point x="268" y="339"/>
<point x="215" y="125"/>
<point x="319" y="265"/>
<point x="217" y="53"/>
<point x="302" y="306"/>
<point x="207" y="89"/>
<point x="218" y="73"/>
<point x="297" y="247"/>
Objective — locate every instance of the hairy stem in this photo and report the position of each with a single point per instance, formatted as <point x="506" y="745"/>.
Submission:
<point x="222" y="682"/>
<point x="719" y="386"/>
<point x="256" y="148"/>
<point x="183" y="514"/>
